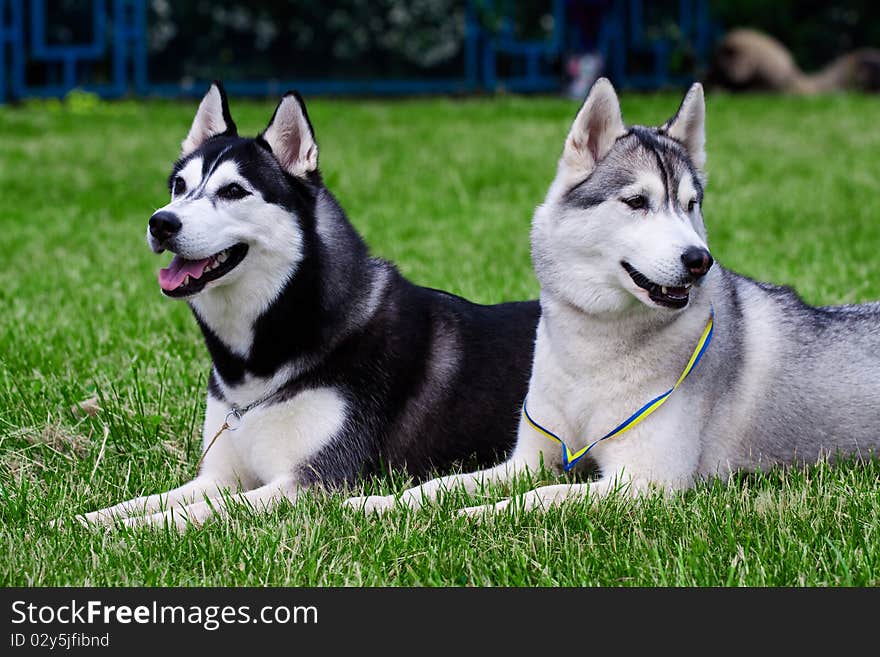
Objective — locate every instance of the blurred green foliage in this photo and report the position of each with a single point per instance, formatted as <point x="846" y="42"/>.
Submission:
<point x="305" y="38"/>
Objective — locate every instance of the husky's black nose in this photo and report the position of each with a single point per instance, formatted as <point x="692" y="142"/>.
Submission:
<point x="164" y="225"/>
<point x="698" y="261"/>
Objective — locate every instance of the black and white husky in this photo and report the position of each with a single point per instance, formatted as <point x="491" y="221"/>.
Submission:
<point x="632" y="307"/>
<point x="327" y="364"/>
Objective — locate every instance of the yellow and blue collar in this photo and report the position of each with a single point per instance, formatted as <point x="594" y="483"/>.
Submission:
<point x="569" y="458"/>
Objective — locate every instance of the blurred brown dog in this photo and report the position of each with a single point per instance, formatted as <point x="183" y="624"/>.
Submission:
<point x="748" y="60"/>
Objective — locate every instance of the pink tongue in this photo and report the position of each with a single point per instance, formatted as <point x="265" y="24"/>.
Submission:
<point x="172" y="276"/>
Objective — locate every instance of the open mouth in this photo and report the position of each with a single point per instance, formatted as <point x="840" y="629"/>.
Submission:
<point x="182" y="277"/>
<point x="671" y="297"/>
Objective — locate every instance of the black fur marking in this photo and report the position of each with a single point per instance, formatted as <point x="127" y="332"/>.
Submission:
<point x="214" y="387"/>
<point x="586" y="200"/>
<point x="649" y="141"/>
<point x="231" y="129"/>
<point x="668" y="151"/>
<point x="212" y="152"/>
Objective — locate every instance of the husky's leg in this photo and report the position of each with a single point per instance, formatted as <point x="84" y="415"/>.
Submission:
<point x="527" y="457"/>
<point x="633" y="466"/>
<point x="430" y="490"/>
<point x="199" y="488"/>
<point x="548" y="496"/>
<point x="260" y="499"/>
<point x="220" y="471"/>
<point x="543" y="497"/>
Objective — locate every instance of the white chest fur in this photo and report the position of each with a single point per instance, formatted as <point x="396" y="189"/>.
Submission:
<point x="273" y="441"/>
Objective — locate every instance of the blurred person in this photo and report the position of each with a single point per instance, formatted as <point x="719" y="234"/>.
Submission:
<point x="749" y="60"/>
<point x="585" y="64"/>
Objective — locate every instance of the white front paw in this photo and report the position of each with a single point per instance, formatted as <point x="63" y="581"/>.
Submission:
<point x="371" y="503"/>
<point x="60" y="524"/>
<point x="480" y="512"/>
<point x="92" y="519"/>
<point x="102" y="517"/>
<point x="173" y="519"/>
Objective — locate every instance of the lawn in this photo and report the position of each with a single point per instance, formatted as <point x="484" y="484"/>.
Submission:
<point x="445" y="189"/>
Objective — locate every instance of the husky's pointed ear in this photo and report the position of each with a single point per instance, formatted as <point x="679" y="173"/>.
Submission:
<point x="290" y="136"/>
<point x="212" y="119"/>
<point x="597" y="125"/>
<point x="689" y="125"/>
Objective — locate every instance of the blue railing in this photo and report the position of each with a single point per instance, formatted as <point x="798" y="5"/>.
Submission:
<point x="534" y="65"/>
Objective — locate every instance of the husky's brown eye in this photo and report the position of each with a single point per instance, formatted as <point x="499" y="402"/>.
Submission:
<point x="179" y="186"/>
<point x="692" y="204"/>
<point x="232" y="192"/>
<point x="637" y="202"/>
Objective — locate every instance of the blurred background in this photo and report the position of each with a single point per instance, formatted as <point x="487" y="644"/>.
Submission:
<point x="144" y="48"/>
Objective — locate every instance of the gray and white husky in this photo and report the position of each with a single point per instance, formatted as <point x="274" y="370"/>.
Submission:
<point x="628" y="289"/>
<point x="327" y="363"/>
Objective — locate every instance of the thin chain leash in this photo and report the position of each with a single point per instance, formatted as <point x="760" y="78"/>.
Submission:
<point x="238" y="414"/>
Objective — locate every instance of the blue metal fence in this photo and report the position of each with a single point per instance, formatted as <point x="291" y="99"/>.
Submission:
<point x="623" y="37"/>
<point x="126" y="48"/>
<point x="493" y="57"/>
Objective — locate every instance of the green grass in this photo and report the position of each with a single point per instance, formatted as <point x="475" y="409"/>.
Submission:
<point x="445" y="189"/>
